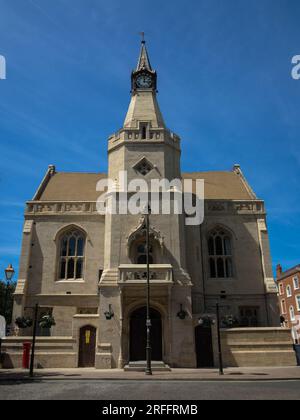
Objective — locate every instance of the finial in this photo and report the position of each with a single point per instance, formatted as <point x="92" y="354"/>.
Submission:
<point x="143" y="37"/>
<point x="143" y="61"/>
<point x="51" y="169"/>
<point x="237" y="168"/>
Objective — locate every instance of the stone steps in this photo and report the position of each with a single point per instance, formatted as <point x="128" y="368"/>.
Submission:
<point x="140" y="366"/>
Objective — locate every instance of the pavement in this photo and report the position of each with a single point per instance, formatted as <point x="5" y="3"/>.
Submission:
<point x="230" y="374"/>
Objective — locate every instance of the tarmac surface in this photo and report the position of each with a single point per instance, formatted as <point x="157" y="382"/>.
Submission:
<point x="158" y="390"/>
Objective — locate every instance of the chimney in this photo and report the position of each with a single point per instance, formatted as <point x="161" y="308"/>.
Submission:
<point x="278" y="271"/>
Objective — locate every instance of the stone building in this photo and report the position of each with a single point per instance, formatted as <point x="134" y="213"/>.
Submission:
<point x="88" y="269"/>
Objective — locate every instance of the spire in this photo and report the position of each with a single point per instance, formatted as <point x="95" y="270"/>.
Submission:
<point x="143" y="105"/>
<point x="143" y="61"/>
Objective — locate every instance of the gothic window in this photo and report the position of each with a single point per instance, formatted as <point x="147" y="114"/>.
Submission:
<point x="71" y="261"/>
<point x="220" y="254"/>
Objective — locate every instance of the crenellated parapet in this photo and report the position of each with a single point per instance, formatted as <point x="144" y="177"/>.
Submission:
<point x="146" y="134"/>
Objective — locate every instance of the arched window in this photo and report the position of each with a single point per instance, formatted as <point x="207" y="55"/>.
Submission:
<point x="220" y="254"/>
<point x="292" y="313"/>
<point x="71" y="260"/>
<point x="289" y="291"/>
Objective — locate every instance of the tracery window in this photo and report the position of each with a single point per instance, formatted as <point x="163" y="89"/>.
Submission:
<point x="220" y="254"/>
<point x="72" y="251"/>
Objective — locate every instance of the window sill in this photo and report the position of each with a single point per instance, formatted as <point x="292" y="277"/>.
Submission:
<point x="69" y="281"/>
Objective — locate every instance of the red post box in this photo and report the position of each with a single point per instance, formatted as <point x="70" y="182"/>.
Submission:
<point x="26" y="355"/>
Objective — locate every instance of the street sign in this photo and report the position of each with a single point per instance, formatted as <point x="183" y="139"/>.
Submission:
<point x="2" y="327"/>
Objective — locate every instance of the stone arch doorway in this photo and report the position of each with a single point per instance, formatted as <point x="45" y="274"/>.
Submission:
<point x="87" y="346"/>
<point x="204" y="347"/>
<point x="138" y="335"/>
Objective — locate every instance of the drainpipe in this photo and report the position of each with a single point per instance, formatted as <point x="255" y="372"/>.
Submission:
<point x="120" y="361"/>
<point x="203" y="272"/>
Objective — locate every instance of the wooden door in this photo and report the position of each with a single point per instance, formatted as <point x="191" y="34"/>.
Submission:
<point x="204" y="347"/>
<point x="138" y="335"/>
<point x="87" y="346"/>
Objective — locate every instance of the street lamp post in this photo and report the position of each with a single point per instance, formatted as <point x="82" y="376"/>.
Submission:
<point x="221" y="370"/>
<point x="36" y="308"/>
<point x="148" y="370"/>
<point x="9" y="273"/>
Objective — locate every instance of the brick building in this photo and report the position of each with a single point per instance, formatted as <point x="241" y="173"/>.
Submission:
<point x="289" y="298"/>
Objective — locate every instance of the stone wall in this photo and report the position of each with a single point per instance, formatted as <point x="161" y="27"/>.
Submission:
<point x="241" y="347"/>
<point x="258" y="347"/>
<point x="50" y="352"/>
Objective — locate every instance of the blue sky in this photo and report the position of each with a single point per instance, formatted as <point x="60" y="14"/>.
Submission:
<point x="225" y="87"/>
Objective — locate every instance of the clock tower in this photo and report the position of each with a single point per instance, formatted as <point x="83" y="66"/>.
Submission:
<point x="145" y="149"/>
<point x="143" y="77"/>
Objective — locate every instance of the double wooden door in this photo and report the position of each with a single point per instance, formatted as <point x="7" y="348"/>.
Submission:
<point x="138" y="335"/>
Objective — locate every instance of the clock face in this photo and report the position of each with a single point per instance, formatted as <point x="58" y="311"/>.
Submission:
<point x="144" y="81"/>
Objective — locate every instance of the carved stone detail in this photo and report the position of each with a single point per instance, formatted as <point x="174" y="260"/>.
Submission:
<point x="38" y="207"/>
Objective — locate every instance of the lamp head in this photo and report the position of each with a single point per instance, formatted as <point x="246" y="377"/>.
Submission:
<point x="9" y="272"/>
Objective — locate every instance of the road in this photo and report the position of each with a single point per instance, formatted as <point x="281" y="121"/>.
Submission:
<point x="154" y="390"/>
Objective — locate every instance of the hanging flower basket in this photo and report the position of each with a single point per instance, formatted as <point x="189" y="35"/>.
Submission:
<point x="47" y="321"/>
<point x="23" y="322"/>
<point x="229" y="321"/>
<point x="206" y="321"/>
